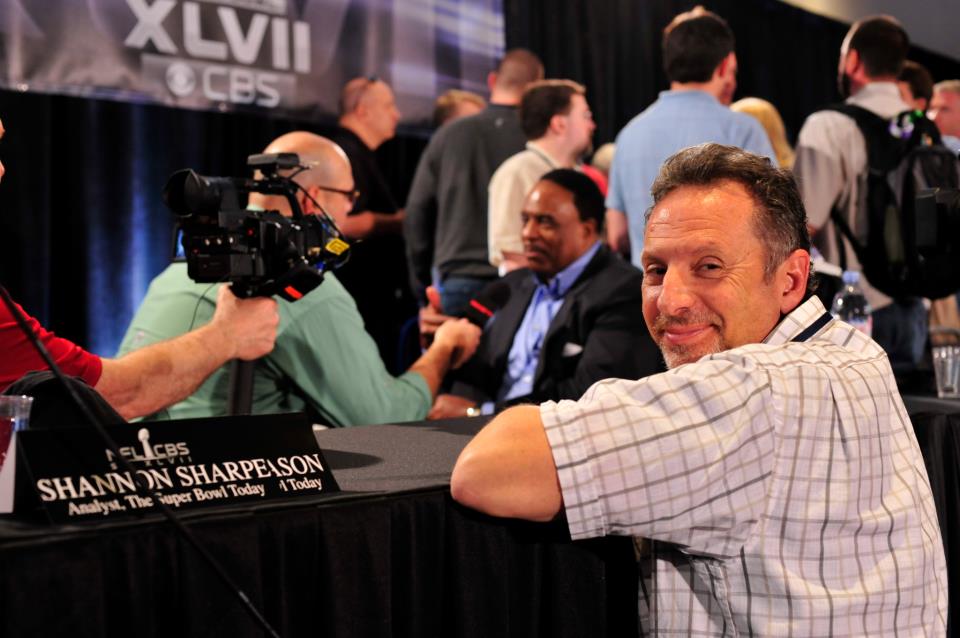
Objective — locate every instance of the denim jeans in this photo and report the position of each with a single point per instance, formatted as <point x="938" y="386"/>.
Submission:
<point x="456" y="293"/>
<point x="901" y="329"/>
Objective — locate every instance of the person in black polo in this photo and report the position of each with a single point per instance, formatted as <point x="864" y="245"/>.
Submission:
<point x="376" y="274"/>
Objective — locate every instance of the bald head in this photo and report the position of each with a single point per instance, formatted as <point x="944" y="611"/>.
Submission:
<point x="516" y="70"/>
<point x="352" y="92"/>
<point x="329" y="169"/>
<point x="369" y="109"/>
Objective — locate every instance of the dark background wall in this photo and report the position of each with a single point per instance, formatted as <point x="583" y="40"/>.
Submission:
<point x="81" y="220"/>
<point x="786" y="55"/>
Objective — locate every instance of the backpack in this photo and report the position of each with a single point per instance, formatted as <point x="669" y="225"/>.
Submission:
<point x="912" y="246"/>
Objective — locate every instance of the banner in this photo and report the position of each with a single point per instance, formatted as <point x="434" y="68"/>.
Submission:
<point x="283" y="56"/>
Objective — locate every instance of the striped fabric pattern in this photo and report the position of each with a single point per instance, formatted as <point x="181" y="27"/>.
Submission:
<point x="780" y="483"/>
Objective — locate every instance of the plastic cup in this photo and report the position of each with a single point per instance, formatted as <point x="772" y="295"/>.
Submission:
<point x="14" y="416"/>
<point x="946" y="368"/>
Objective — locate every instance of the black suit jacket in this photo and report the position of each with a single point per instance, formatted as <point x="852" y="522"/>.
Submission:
<point x="598" y="333"/>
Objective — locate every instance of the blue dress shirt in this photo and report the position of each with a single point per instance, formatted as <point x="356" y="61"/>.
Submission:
<point x="677" y="119"/>
<point x="527" y="343"/>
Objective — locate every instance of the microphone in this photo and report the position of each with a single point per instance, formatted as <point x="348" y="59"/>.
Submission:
<point x="491" y="299"/>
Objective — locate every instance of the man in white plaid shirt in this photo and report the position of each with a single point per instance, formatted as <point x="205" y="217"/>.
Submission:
<point x="773" y="469"/>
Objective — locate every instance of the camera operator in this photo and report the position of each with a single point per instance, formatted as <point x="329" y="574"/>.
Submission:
<point x="324" y="362"/>
<point x="149" y="379"/>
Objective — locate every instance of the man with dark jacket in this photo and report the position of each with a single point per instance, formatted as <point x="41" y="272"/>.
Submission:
<point x="574" y="315"/>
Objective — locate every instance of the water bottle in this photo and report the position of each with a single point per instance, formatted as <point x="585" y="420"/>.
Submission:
<point x="851" y="305"/>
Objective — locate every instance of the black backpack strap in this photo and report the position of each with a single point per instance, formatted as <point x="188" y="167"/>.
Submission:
<point x="842" y="228"/>
<point x="883" y="154"/>
<point x="884" y="151"/>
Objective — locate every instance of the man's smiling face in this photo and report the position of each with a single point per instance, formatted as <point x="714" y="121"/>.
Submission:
<point x="704" y="289"/>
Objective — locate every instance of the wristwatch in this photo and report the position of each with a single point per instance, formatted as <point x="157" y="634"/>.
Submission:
<point x="473" y="411"/>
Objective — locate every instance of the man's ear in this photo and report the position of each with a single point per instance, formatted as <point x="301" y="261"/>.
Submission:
<point x="792" y="278"/>
<point x="558" y="124"/>
<point x="723" y="69"/>
<point x="852" y="62"/>
<point x="307" y="205"/>
<point x="360" y="111"/>
<point x="590" y="227"/>
<point x="491" y="80"/>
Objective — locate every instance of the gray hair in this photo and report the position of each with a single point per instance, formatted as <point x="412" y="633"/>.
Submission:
<point x="950" y="86"/>
<point x="779" y="220"/>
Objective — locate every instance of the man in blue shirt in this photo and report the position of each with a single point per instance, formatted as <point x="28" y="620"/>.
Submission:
<point x="574" y="315"/>
<point x="699" y="60"/>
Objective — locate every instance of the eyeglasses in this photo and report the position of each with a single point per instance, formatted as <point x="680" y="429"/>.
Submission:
<point x="353" y="195"/>
<point x="371" y="80"/>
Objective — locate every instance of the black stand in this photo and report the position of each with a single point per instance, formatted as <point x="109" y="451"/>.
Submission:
<point x="240" y="397"/>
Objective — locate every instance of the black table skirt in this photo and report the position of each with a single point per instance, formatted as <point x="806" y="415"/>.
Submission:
<point x="391" y="556"/>
<point x="937" y="426"/>
<point x="394" y="556"/>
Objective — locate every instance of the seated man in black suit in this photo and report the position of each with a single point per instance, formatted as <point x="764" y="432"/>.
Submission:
<point x="574" y="315"/>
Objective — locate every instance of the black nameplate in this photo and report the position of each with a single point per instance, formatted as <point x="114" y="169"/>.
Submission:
<point x="190" y="463"/>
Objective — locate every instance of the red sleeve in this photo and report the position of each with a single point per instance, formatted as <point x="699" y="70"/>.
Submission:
<point x="18" y="356"/>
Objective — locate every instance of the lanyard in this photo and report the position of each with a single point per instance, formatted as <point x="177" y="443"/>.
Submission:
<point x="813" y="328"/>
<point x="536" y="151"/>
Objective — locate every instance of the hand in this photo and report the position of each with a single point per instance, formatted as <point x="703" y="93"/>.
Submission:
<point x="461" y="337"/>
<point x="249" y="325"/>
<point x="450" y="406"/>
<point x="431" y="317"/>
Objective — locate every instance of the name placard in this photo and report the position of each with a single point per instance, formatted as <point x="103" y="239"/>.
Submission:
<point x="189" y="463"/>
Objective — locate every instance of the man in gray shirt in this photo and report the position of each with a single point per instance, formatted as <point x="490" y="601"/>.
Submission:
<point x="446" y="224"/>
<point x="831" y="170"/>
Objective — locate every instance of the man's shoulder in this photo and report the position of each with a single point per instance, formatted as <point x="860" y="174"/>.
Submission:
<point x="608" y="273"/>
<point x="659" y="122"/>
<point x="347" y="140"/>
<point x="465" y="133"/>
<point x="833" y="115"/>
<point x="644" y="121"/>
<point x="516" y="163"/>
<point x="330" y="297"/>
<point x="174" y="274"/>
<point x="839" y="350"/>
<point x="519" y="279"/>
<point x="174" y="282"/>
<point x="479" y="124"/>
<point x="741" y="121"/>
<point x="827" y="128"/>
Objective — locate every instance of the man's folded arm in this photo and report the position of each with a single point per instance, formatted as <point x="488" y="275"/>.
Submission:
<point x="508" y="469"/>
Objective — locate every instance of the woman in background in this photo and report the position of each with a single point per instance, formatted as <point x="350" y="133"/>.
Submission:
<point x="769" y="117"/>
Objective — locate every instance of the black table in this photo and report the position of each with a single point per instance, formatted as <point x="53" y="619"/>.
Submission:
<point x="936" y="423"/>
<point x="392" y="555"/>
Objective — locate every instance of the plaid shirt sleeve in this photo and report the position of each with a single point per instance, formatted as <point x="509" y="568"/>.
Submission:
<point x="683" y="457"/>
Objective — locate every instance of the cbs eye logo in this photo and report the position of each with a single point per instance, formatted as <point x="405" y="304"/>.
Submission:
<point x="181" y="80"/>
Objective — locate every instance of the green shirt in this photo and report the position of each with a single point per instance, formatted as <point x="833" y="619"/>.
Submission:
<point x="323" y="356"/>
